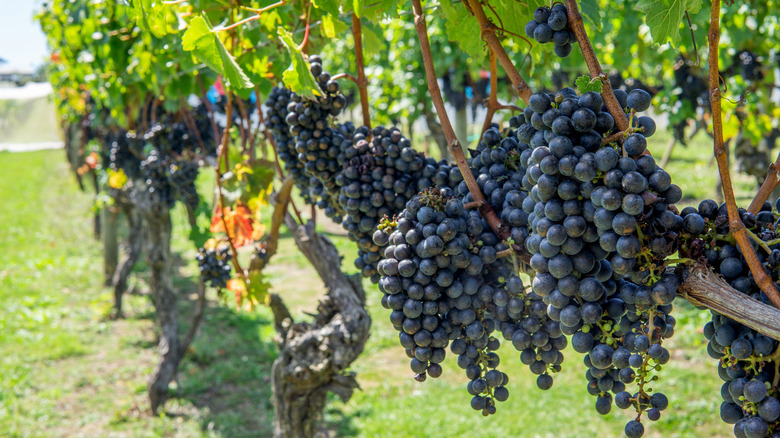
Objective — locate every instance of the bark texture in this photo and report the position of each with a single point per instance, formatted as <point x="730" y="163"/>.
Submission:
<point x="132" y="247"/>
<point x="703" y="287"/>
<point x="109" y="217"/>
<point x="157" y="242"/>
<point x="313" y="357"/>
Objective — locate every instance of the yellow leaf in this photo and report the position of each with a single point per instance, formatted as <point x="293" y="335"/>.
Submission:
<point x="328" y="26"/>
<point x="116" y="178"/>
<point x="242" y="171"/>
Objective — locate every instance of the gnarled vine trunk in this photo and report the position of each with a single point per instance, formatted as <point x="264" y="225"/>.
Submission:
<point x="313" y="357"/>
<point x="132" y="247"/>
<point x="157" y="245"/>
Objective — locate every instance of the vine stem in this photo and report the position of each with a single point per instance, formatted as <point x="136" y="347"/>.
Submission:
<point x="259" y="13"/>
<point x="738" y="229"/>
<point x="770" y="184"/>
<point x="222" y="156"/>
<point x="488" y="31"/>
<point x="362" y="81"/>
<point x="492" y="103"/>
<point x="594" y="67"/>
<point x="487" y="212"/>
<point x="340" y="76"/>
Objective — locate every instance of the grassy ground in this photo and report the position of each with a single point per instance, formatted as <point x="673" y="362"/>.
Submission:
<point x="67" y="371"/>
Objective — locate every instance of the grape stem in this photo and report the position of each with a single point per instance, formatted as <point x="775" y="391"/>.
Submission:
<point x="770" y="184"/>
<point x="345" y="76"/>
<point x="738" y="229"/>
<point x="758" y="241"/>
<point x="222" y="156"/>
<point x="362" y="81"/>
<point x="594" y="67"/>
<point x="492" y="102"/>
<point x="492" y="105"/>
<point x="487" y="212"/>
<point x="620" y="135"/>
<point x="488" y="31"/>
<point x="472" y="205"/>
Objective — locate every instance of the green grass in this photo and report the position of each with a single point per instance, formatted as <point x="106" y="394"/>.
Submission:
<point x="66" y="370"/>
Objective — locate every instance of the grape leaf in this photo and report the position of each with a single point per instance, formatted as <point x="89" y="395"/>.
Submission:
<point x="203" y="42"/>
<point x="514" y="15"/>
<point x="329" y="6"/>
<point x="297" y="77"/>
<point x="590" y="10"/>
<point x="149" y="15"/>
<point x="585" y="84"/>
<point x="332" y="26"/>
<point x="463" y="29"/>
<point x="664" y="17"/>
<point x="373" y="44"/>
<point x="239" y="224"/>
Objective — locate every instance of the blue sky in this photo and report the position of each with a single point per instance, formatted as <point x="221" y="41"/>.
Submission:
<point x="22" y="43"/>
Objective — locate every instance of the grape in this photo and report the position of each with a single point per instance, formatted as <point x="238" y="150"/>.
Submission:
<point x="639" y="100"/>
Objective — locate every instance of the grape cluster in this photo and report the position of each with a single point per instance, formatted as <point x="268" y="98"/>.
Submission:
<point x="746" y="358"/>
<point x="154" y="173"/>
<point x="182" y="174"/>
<point x="750" y="66"/>
<point x="214" y="265"/>
<point x="437" y="274"/>
<point x="317" y="145"/>
<point x="277" y="102"/>
<point x="118" y="153"/>
<point x="692" y="92"/>
<point x="377" y="180"/>
<point x="601" y="226"/>
<point x="552" y="25"/>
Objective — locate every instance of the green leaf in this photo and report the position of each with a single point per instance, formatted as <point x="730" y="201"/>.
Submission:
<point x="463" y="29"/>
<point x="590" y="10"/>
<point x="664" y="17"/>
<point x="150" y="15"/>
<point x="329" y="6"/>
<point x="332" y="26"/>
<point x="297" y="77"/>
<point x="204" y="43"/>
<point x="375" y="10"/>
<point x="514" y="15"/>
<point x="585" y="84"/>
<point x="373" y="44"/>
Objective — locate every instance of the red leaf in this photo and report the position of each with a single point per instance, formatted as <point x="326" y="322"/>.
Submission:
<point x="239" y="224"/>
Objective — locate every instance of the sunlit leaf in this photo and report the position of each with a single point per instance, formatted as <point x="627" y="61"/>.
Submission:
<point x="205" y="44"/>
<point x="664" y="17"/>
<point x="297" y="77"/>
<point x="585" y="84"/>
